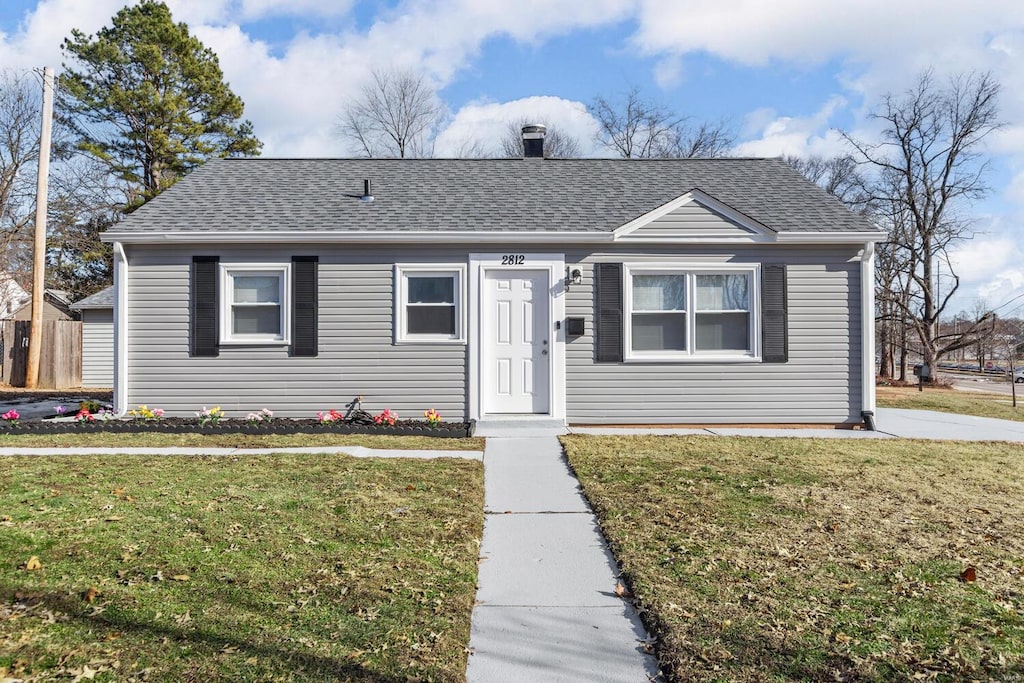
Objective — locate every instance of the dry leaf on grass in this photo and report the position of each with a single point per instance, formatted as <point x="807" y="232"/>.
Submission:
<point x="91" y="594"/>
<point x="33" y="564"/>
<point x="969" y="575"/>
<point x="622" y="591"/>
<point x="181" y="577"/>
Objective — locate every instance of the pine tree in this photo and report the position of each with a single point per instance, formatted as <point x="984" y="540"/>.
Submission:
<point x="147" y="99"/>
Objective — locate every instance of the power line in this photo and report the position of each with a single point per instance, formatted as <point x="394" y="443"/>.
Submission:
<point x="1019" y="296"/>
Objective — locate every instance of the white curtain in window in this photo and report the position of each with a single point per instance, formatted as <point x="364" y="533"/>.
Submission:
<point x="723" y="292"/>
<point x="659" y="292"/>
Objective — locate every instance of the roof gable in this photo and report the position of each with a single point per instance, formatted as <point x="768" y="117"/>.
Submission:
<point x="695" y="215"/>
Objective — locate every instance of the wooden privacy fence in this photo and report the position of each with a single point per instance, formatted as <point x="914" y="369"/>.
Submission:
<point x="60" y="362"/>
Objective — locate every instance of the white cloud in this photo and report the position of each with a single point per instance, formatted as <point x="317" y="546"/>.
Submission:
<point x="258" y="9"/>
<point x="990" y="266"/>
<point x="40" y="34"/>
<point x="773" y="135"/>
<point x="1015" y="189"/>
<point x="484" y="123"/>
<point x="668" y="72"/>
<point x="753" y="32"/>
<point x="294" y="94"/>
<point x="977" y="259"/>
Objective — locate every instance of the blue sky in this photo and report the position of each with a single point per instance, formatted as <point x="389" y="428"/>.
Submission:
<point x="786" y="75"/>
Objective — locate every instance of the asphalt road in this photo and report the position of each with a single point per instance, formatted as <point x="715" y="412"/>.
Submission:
<point x="986" y="384"/>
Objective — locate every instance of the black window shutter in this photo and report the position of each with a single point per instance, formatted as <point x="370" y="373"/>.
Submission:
<point x="609" y="313"/>
<point x="304" y="306"/>
<point x="774" y="314"/>
<point x="204" y="336"/>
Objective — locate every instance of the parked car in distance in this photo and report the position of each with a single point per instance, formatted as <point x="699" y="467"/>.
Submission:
<point x="1018" y="375"/>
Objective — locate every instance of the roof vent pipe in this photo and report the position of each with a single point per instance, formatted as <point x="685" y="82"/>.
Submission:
<point x="533" y="140"/>
<point x="367" y="195"/>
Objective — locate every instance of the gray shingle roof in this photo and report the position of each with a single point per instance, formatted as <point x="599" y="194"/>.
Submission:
<point x="101" y="299"/>
<point x="587" y="195"/>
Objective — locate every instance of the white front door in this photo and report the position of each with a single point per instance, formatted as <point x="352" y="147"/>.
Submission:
<point x="516" y="342"/>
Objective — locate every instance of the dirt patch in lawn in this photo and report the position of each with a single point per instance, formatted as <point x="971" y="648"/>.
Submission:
<point x="808" y="559"/>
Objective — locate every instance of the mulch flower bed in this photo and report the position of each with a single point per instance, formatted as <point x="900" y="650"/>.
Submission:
<point x="178" y="425"/>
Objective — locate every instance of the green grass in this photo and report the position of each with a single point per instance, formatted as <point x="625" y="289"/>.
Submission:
<point x="157" y="440"/>
<point x="817" y="559"/>
<point x="952" y="401"/>
<point x="276" y="567"/>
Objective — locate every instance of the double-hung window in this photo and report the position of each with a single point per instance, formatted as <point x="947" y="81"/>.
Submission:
<point x="658" y="322"/>
<point x="255" y="300"/>
<point x="429" y="303"/>
<point x="691" y="313"/>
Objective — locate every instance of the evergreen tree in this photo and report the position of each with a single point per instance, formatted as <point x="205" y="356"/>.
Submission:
<point x="147" y="99"/>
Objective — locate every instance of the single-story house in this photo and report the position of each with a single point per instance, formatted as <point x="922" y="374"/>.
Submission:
<point x="587" y="291"/>
<point x="56" y="306"/>
<point x="97" y="311"/>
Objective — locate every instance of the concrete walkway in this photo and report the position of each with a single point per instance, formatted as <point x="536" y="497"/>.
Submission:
<point x="546" y="603"/>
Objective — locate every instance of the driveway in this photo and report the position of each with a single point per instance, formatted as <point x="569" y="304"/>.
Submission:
<point x="928" y="424"/>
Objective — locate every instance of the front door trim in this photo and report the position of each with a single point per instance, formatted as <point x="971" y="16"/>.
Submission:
<point x="554" y="266"/>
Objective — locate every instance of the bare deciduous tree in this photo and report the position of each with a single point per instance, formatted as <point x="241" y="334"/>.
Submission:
<point x="839" y="175"/>
<point x="20" y="104"/>
<point x="634" y="127"/>
<point x="82" y="198"/>
<point x="396" y="115"/>
<point x="557" y="143"/>
<point x="929" y="160"/>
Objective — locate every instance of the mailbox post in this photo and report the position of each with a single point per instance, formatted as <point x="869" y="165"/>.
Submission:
<point x="924" y="374"/>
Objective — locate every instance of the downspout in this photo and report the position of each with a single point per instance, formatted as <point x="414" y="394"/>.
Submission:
<point x="120" y="331"/>
<point x="867" y="332"/>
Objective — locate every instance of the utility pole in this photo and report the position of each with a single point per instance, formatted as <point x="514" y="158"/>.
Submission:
<point x="35" y="336"/>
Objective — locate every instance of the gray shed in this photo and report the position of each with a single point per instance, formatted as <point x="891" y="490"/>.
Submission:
<point x="586" y="291"/>
<point x="97" y="313"/>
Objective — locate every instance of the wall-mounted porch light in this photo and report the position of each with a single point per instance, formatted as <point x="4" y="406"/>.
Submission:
<point x="572" y="277"/>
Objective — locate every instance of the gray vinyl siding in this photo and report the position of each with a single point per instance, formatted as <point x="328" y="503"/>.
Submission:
<point x="819" y="384"/>
<point x="98" y="347"/>
<point x="690" y="218"/>
<point x="356" y="357"/>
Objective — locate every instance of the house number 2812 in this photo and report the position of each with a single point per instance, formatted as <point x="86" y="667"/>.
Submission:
<point x="513" y="260"/>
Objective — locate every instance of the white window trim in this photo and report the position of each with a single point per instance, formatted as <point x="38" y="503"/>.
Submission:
<point x="691" y="270"/>
<point x="227" y="272"/>
<point x="456" y="270"/>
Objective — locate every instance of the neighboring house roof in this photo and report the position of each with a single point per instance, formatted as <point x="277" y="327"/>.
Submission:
<point x="59" y="295"/>
<point x="56" y="303"/>
<point x="506" y="195"/>
<point x="101" y="299"/>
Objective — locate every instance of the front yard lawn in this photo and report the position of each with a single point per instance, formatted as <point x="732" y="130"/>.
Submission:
<point x="817" y="559"/>
<point x="275" y="567"/>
